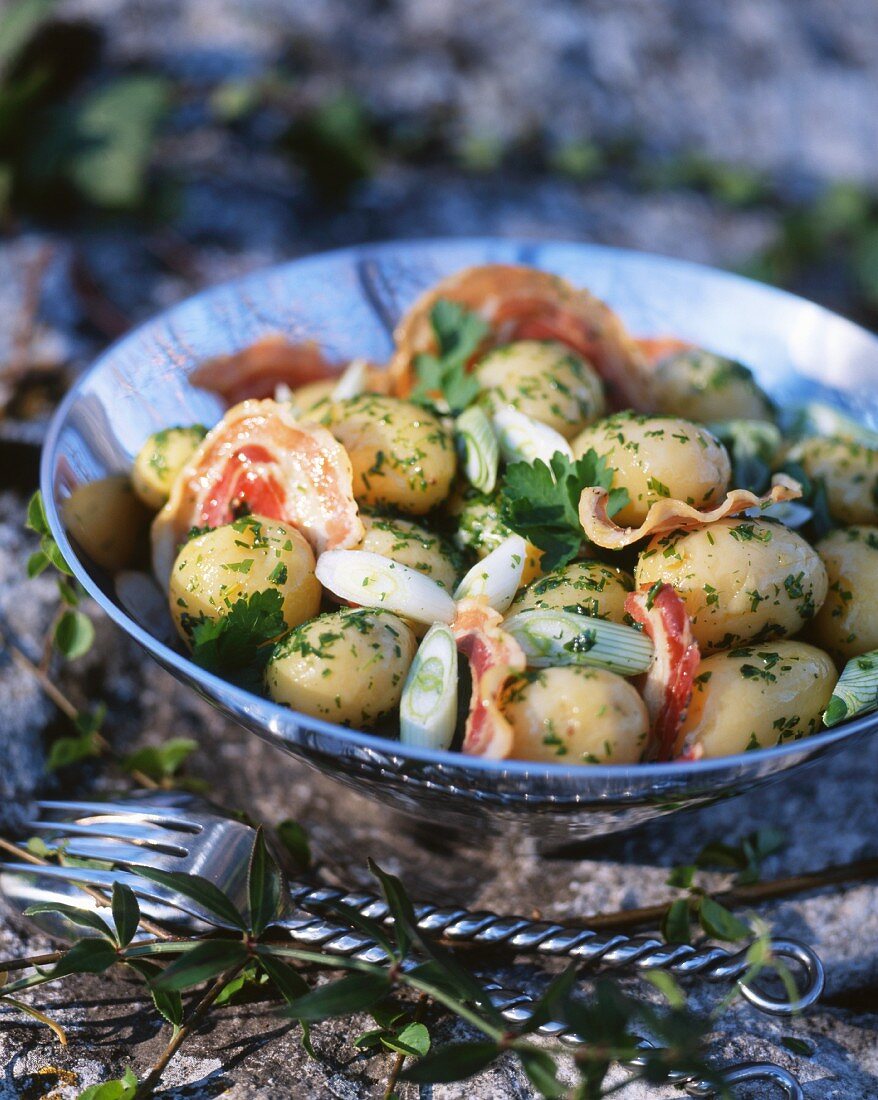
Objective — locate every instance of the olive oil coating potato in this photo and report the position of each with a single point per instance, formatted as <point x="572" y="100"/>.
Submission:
<point x="543" y="380"/>
<point x="655" y="457"/>
<point x="253" y="554"/>
<point x="347" y="666"/>
<point x="703" y="386"/>
<point x="411" y="545"/>
<point x="588" y="587"/>
<point x="402" y="455"/>
<point x="758" y="696"/>
<point x="850" y="472"/>
<point x="740" y="579"/>
<point x="575" y="716"/>
<point x="108" y="520"/>
<point x="847" y="623"/>
<point x="160" y="459"/>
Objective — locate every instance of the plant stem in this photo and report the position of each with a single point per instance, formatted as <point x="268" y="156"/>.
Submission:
<point x="399" y="1060"/>
<point x="32" y="960"/>
<point x="146" y="1087"/>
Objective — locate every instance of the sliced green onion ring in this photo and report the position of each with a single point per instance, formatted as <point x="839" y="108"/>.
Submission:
<point x="497" y="576"/>
<point x="523" y="439"/>
<point x="479" y="450"/>
<point x="352" y="381"/>
<point x="428" y="708"/>
<point x="856" y="691"/>
<point x="551" y="638"/>
<point x="371" y="580"/>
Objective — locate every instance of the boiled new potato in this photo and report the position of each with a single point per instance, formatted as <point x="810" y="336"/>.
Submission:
<point x="411" y="545"/>
<point x="702" y="386"/>
<point x="314" y="397"/>
<point x="479" y="528"/>
<point x="543" y="380"/>
<point x="218" y="567"/>
<point x="589" y="587"/>
<point x="756" y="697"/>
<point x="655" y="457"/>
<point x="159" y="461"/>
<point x="847" y="623"/>
<point x="740" y="579"/>
<point x="402" y="455"/>
<point x="849" y="471"/>
<point x="347" y="667"/>
<point x="575" y="716"/>
<point x="108" y="520"/>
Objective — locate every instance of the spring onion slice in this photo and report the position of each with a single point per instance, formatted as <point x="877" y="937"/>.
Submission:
<point x="788" y="512"/>
<point x="479" y="450"/>
<point x="856" y="691"/>
<point x="550" y="637"/>
<point x="523" y="439"/>
<point x="352" y="381"/>
<point x="428" y="708"/>
<point x="497" y="576"/>
<point x="371" y="580"/>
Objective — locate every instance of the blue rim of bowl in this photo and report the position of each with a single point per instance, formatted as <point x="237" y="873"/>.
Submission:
<point x="456" y="760"/>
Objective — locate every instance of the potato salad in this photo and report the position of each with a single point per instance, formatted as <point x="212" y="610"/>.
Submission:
<point x="530" y="535"/>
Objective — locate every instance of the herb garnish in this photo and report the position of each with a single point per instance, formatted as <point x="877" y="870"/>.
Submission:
<point x="458" y="334"/>
<point x="236" y="646"/>
<point x="541" y="503"/>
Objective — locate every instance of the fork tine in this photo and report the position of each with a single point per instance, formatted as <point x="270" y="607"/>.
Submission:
<point x="136" y="835"/>
<point x="115" y="851"/>
<point x="166" y="818"/>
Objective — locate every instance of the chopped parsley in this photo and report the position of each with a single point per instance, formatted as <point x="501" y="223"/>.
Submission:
<point x="458" y="334"/>
<point x="237" y="645"/>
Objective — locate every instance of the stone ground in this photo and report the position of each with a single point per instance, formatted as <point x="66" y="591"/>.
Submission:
<point x="777" y="85"/>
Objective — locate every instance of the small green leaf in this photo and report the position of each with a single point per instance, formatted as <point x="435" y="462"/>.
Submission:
<point x="37" y="563"/>
<point x="289" y="983"/>
<point x="169" y="1004"/>
<point x="453" y="1062"/>
<point x="69" y="750"/>
<point x="201" y="963"/>
<point x="126" y="913"/>
<point x="681" y="877"/>
<point x="797" y="1046"/>
<point x="35" y="1014"/>
<point x="667" y="985"/>
<point x="88" y="956"/>
<point x="675" y="923"/>
<point x="52" y="551"/>
<point x="161" y="761"/>
<point x="413" y="1039"/>
<point x="197" y="889"/>
<point x="719" y="922"/>
<point x="370" y="1039"/>
<point x="68" y="593"/>
<point x="542" y="1072"/>
<point x="264" y="884"/>
<point x="36" y="515"/>
<point x="74" y="635"/>
<point x="354" y="993"/>
<point x="123" y="1088"/>
<point x="84" y="918"/>
<point x="248" y="976"/>
<point x="295" y="841"/>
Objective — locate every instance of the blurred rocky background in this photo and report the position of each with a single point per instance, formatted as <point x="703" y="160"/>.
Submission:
<point x="152" y="147"/>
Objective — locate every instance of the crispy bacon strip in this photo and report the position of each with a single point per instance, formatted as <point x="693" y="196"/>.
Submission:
<point x="667" y="686"/>
<point x="524" y="303"/>
<point x="260" y="456"/>
<point x="672" y="515"/>
<point x="255" y="371"/>
<point x="493" y="657"/>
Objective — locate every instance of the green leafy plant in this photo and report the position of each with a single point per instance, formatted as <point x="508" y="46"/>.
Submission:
<point x="443" y="382"/>
<point x="541" y="502"/>
<point x="237" y="646"/>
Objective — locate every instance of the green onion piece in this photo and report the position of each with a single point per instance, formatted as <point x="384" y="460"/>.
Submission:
<point x="371" y="580"/>
<point x="523" y="439"/>
<point x="551" y="638"/>
<point x="428" y="708"/>
<point x="856" y="691"/>
<point x="478" y="447"/>
<point x="497" y="576"/>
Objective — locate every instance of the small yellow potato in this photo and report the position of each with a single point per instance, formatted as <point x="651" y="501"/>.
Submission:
<point x="589" y="587"/>
<point x="740" y="579"/>
<point x="847" y="623"/>
<point x="215" y="569"/>
<point x="159" y="461"/>
<point x="757" y="697"/>
<point x="347" y="667"/>
<point x="702" y="386"/>
<point x="479" y="528"/>
<point x="850" y="472"/>
<point x="402" y="455"/>
<point x="108" y="521"/>
<point x="314" y="397"/>
<point x="655" y="457"/>
<point x="575" y="716"/>
<point x="411" y="545"/>
<point x="543" y="380"/>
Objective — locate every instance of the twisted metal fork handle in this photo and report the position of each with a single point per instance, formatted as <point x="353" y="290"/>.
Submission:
<point x="714" y="964"/>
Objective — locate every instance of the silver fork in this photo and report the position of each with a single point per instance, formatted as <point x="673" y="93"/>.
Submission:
<point x="164" y="831"/>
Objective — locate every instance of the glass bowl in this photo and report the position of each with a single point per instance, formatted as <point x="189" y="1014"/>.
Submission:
<point x="348" y="301"/>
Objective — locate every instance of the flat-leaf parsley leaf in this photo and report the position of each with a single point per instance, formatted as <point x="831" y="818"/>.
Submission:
<point x="458" y="334"/>
<point x="237" y="646"/>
